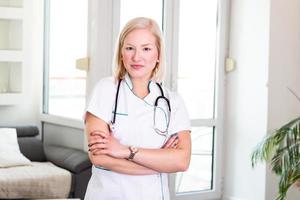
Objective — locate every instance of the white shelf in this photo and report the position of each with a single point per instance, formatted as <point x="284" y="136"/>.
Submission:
<point x="8" y="99"/>
<point x="11" y="55"/>
<point x="11" y="52"/>
<point x="11" y="13"/>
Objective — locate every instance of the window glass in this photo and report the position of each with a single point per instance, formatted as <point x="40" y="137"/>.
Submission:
<point x="196" y="84"/>
<point x="141" y="8"/>
<point x="199" y="174"/>
<point x="67" y="41"/>
<point x="196" y="60"/>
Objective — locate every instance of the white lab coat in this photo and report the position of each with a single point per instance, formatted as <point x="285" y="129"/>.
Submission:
<point x="134" y="126"/>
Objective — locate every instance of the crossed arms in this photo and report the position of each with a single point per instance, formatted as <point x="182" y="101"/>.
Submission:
<point x="106" y="151"/>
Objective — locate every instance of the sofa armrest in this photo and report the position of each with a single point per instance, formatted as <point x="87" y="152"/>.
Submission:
<point x="32" y="148"/>
<point x="71" y="159"/>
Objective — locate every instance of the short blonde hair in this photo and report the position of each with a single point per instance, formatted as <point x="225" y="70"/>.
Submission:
<point x="141" y="23"/>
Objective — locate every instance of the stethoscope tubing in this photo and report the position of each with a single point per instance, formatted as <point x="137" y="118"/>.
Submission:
<point x="116" y="102"/>
<point x="162" y="96"/>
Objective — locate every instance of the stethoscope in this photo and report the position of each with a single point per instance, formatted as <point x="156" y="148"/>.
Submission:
<point x="157" y="130"/>
<point x="161" y="97"/>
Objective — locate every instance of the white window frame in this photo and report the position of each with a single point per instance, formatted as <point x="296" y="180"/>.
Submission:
<point x="45" y="117"/>
<point x="171" y="39"/>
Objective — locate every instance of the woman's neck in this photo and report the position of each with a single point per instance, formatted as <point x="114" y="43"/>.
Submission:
<point x="140" y="87"/>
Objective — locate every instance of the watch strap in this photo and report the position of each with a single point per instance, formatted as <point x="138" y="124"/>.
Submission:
<point x="133" y="150"/>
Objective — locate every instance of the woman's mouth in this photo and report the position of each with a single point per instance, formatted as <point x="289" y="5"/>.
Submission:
<point x="136" y="66"/>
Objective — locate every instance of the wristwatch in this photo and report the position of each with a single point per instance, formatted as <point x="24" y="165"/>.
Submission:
<point x="133" y="151"/>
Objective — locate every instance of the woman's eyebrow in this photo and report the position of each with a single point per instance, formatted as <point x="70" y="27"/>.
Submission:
<point x="128" y="44"/>
<point x="148" y="44"/>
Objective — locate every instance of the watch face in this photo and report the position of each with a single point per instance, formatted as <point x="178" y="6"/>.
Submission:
<point x="134" y="149"/>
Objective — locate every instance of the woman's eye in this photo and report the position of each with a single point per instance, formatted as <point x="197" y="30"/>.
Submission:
<point x="147" y="49"/>
<point x="128" y="48"/>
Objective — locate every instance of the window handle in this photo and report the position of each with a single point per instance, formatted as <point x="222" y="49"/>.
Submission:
<point x="83" y="63"/>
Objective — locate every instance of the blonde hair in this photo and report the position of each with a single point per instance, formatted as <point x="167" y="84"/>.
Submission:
<point x="141" y="23"/>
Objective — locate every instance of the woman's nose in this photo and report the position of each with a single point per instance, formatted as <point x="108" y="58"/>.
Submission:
<point x="136" y="56"/>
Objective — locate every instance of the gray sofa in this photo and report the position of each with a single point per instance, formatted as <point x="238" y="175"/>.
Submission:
<point x="73" y="160"/>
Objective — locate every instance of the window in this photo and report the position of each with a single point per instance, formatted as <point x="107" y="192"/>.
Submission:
<point x="194" y="71"/>
<point x="196" y="83"/>
<point x="65" y="41"/>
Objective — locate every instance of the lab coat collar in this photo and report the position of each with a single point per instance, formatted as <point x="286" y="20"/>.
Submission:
<point x="127" y="79"/>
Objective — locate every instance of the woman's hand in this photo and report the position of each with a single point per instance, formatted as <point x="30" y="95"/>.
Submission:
<point x="101" y="143"/>
<point x="171" y="142"/>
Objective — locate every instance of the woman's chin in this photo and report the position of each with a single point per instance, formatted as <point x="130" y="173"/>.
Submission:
<point x="139" y="74"/>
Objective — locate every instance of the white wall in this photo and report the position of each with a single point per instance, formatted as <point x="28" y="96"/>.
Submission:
<point x="284" y="71"/>
<point x="27" y="112"/>
<point x="267" y="53"/>
<point x="246" y="99"/>
<point x="63" y="135"/>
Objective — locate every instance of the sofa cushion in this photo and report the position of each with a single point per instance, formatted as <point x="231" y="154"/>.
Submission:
<point x="10" y="154"/>
<point x="41" y="180"/>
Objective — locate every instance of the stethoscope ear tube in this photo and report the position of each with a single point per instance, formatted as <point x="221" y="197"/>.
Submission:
<point x="162" y="97"/>
<point x="166" y="99"/>
<point x="116" y="102"/>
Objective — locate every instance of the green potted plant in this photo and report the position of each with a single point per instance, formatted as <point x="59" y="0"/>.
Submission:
<point x="281" y="149"/>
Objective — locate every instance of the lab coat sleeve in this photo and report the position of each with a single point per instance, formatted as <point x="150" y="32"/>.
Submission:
<point x="101" y="101"/>
<point x="179" y="116"/>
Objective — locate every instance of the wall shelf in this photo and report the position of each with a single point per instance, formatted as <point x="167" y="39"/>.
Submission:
<point x="9" y="99"/>
<point x="11" y="52"/>
<point x="11" y="55"/>
<point x="11" y="3"/>
<point x="11" y="13"/>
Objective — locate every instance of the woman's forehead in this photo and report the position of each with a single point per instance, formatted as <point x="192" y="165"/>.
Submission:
<point x="140" y="37"/>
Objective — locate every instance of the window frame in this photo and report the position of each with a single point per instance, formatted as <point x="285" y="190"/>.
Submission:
<point x="171" y="26"/>
<point x="46" y="56"/>
<point x="44" y="115"/>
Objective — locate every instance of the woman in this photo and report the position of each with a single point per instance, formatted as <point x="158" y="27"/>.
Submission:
<point x="133" y="143"/>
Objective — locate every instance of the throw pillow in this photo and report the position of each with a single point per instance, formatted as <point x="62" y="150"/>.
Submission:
<point x="10" y="154"/>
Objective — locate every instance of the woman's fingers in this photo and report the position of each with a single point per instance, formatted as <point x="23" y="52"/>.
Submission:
<point x="171" y="142"/>
<point x="99" y="152"/>
<point x="174" y="144"/>
<point x="93" y="142"/>
<point x="97" y="146"/>
<point x="99" y="133"/>
<point x="96" y="136"/>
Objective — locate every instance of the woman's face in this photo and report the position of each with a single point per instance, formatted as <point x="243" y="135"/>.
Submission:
<point x="140" y="54"/>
